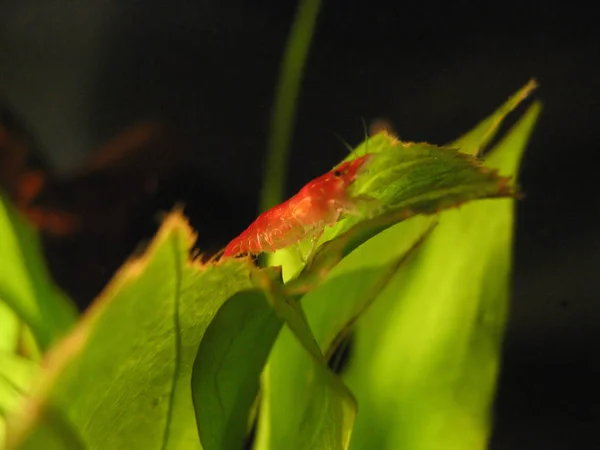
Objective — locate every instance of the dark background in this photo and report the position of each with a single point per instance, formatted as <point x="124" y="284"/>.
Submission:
<point x="78" y="73"/>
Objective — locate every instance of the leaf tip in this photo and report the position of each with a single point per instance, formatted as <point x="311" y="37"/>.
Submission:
<point x="506" y="187"/>
<point x="532" y="84"/>
<point x="526" y="90"/>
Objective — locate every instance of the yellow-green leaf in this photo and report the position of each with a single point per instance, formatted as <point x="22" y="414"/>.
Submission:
<point x="475" y="140"/>
<point x="25" y="284"/>
<point x="427" y="353"/>
<point x="121" y="379"/>
<point x="228" y="367"/>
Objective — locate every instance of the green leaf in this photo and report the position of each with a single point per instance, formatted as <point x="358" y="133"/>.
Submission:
<point x="421" y="176"/>
<point x="9" y="329"/>
<point x="227" y="368"/>
<point x="229" y="363"/>
<point x="323" y="416"/>
<point x="28" y="346"/>
<point x="360" y="278"/>
<point x="25" y="284"/>
<point x="16" y="377"/>
<point x="475" y="140"/>
<point x="166" y="327"/>
<point x="15" y="371"/>
<point x="51" y="431"/>
<point x="291" y="393"/>
<point x="121" y="379"/>
<point x="403" y="180"/>
<point x="406" y="179"/>
<point x="426" y="354"/>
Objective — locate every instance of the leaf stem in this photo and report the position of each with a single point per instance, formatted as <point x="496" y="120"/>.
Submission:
<point x="284" y="109"/>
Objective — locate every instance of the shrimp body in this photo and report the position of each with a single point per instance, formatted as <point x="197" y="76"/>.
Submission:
<point x="318" y="204"/>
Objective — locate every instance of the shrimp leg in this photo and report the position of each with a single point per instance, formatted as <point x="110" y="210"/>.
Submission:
<point x="313" y="247"/>
<point x="313" y="244"/>
<point x="300" y="255"/>
<point x="363" y="206"/>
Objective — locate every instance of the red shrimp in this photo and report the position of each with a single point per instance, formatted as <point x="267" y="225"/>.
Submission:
<point x="318" y="204"/>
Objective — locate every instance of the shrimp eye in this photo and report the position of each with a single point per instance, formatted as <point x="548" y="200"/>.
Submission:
<point x="337" y="173"/>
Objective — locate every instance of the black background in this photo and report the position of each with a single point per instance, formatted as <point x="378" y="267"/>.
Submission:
<point x="78" y="73"/>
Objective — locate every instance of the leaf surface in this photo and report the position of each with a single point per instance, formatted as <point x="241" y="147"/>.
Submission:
<point x="122" y="378"/>
<point x="426" y="355"/>
<point x="25" y="284"/>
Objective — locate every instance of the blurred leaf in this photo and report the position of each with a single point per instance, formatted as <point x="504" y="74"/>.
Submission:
<point x="9" y="328"/>
<point x="25" y="284"/>
<point x="121" y="379"/>
<point x="284" y="109"/>
<point x="51" y="432"/>
<point x="475" y="140"/>
<point x="16" y="372"/>
<point x="283" y="117"/>
<point x="426" y="354"/>
<point x="16" y="377"/>
<point x="28" y="346"/>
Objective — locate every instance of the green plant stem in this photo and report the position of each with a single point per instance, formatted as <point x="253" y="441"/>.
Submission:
<point x="284" y="109"/>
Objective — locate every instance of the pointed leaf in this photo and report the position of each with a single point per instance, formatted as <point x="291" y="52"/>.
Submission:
<point x="16" y="377"/>
<point x="25" y="284"/>
<point x="51" y="432"/>
<point x="442" y="319"/>
<point x="475" y="140"/>
<point x="121" y="379"/>
<point x="9" y="331"/>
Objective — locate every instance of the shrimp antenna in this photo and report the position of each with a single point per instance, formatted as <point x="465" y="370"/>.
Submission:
<point x="366" y="135"/>
<point x="344" y="143"/>
<point x="364" y="124"/>
<point x="366" y="132"/>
